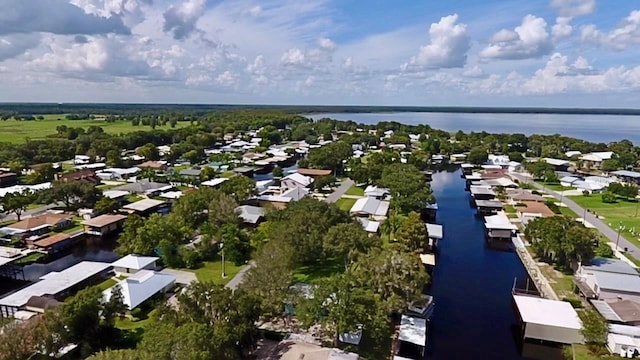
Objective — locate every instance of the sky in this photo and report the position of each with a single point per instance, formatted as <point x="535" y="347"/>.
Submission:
<point x="555" y="53"/>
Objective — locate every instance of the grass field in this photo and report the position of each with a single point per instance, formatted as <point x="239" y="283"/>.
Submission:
<point x="345" y="203"/>
<point x="212" y="271"/>
<point x="313" y="273"/>
<point x="355" y="191"/>
<point x="622" y="212"/>
<point x="18" y="131"/>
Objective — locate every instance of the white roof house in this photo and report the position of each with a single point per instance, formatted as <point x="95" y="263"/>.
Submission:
<point x="115" y="194"/>
<point x="597" y="156"/>
<point x="141" y="286"/>
<point x="556" y="162"/>
<point x="549" y="320"/>
<point x="135" y="262"/>
<point x="214" y="182"/>
<point x="250" y="214"/>
<point x="299" y="179"/>
<point x="377" y="192"/>
<point x="502" y="160"/>
<point x="143" y="205"/>
<point x="369" y="225"/>
<point x="413" y="330"/>
<point x="370" y="206"/>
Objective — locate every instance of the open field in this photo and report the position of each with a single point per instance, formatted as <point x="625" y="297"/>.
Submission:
<point x="355" y="191"/>
<point x="345" y="203"/>
<point x="620" y="213"/>
<point x="212" y="271"/>
<point x="18" y="131"/>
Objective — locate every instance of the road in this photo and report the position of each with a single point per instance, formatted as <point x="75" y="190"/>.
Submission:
<point x="29" y="213"/>
<point x="237" y="280"/>
<point x="611" y="234"/>
<point x="341" y="190"/>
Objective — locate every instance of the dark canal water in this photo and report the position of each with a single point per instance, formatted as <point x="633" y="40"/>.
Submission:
<point x="472" y="283"/>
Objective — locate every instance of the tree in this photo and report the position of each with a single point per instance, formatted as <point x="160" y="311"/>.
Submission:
<point x="516" y="156"/>
<point x="609" y="197"/>
<point x="43" y="173"/>
<point x="191" y="209"/>
<point x="157" y="235"/>
<point x="396" y="276"/>
<point x="562" y="241"/>
<point x="538" y="169"/>
<point x="240" y="188"/>
<point x="106" y="205"/>
<point x="207" y="173"/>
<point x="277" y="172"/>
<point x="17" y="202"/>
<point x="322" y="181"/>
<point x="409" y="190"/>
<point x="236" y="243"/>
<point x="330" y="156"/>
<point x="114" y="306"/>
<point x="113" y="158"/>
<point x="392" y="224"/>
<point x="341" y="307"/>
<point x="594" y="327"/>
<point x="75" y="194"/>
<point x="348" y="241"/>
<point x="413" y="233"/>
<point x="478" y="156"/>
<point x="610" y="165"/>
<point x="270" y="278"/>
<point x="149" y="151"/>
<point x="80" y="318"/>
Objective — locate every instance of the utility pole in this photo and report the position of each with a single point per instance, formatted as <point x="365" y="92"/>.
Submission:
<point x="618" y="238"/>
<point x="222" y="248"/>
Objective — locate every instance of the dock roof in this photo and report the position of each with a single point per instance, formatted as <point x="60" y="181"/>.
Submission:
<point x="414" y="330"/>
<point x="434" y="230"/>
<point x="56" y="282"/>
<point x="495" y="204"/>
<point x="104" y="220"/>
<point x="535" y="310"/>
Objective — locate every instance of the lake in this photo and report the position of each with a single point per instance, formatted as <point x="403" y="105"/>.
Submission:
<point x="594" y="128"/>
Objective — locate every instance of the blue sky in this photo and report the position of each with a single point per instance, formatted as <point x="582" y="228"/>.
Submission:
<point x="574" y="53"/>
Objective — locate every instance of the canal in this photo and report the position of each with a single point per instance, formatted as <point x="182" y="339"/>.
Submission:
<point x="472" y="284"/>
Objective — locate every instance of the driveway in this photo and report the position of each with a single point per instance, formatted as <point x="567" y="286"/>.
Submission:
<point x="611" y="234"/>
<point x="237" y="280"/>
<point x="182" y="277"/>
<point x="341" y="190"/>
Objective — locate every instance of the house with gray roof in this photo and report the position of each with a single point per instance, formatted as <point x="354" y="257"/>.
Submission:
<point x="145" y="187"/>
<point x="250" y="214"/>
<point x="370" y="207"/>
<point x="605" y="279"/>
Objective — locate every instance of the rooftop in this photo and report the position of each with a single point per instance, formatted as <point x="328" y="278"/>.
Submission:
<point x="314" y="172"/>
<point x="627" y="173"/>
<point x="535" y="310"/>
<point x="370" y="206"/>
<point x="299" y="178"/>
<point x="52" y="240"/>
<point x="55" y="282"/>
<point x="144" y="205"/>
<point x="610" y="265"/>
<point x="250" y="214"/>
<point x="104" y="220"/>
<point x="140" y="187"/>
<point x="139" y="287"/>
<point x="534" y="207"/>
<point x="369" y="225"/>
<point x="434" y="230"/>
<point x="414" y="330"/>
<point x="40" y="220"/>
<point x="618" y="310"/>
<point x="214" y="182"/>
<point x="136" y="262"/>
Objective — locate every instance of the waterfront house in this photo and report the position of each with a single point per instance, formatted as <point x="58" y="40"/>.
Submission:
<point x="370" y="207"/>
<point x="54" y="243"/>
<point x="528" y="210"/>
<point x="55" y="284"/>
<point x="296" y="179"/>
<point x="467" y="169"/>
<point x="499" y="228"/>
<point x="140" y="287"/>
<point x="548" y="320"/>
<point x="146" y="207"/>
<point x="435" y="235"/>
<point x="104" y="225"/>
<point x="132" y="263"/>
<point x="607" y="279"/>
<point x="79" y="175"/>
<point x="499" y="160"/>
<point x="481" y="193"/>
<point x="619" y="311"/>
<point x="488" y="207"/>
<point x="519" y="195"/>
<point x="558" y="164"/>
<point x="313" y="172"/>
<point x="627" y="176"/>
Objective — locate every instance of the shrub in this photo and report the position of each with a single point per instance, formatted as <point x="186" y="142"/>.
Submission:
<point x="575" y="302"/>
<point x="553" y="206"/>
<point x="608" y="198"/>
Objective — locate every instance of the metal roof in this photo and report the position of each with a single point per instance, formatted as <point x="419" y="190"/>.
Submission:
<point x="627" y="173"/>
<point x="139" y="287"/>
<point x="250" y="214"/>
<point x="371" y="206"/>
<point x="135" y="262"/>
<point x="610" y="265"/>
<point x="414" y="330"/>
<point x="535" y="310"/>
<point x="144" y="204"/>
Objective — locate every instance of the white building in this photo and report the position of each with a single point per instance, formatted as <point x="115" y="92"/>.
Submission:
<point x="549" y="320"/>
<point x="132" y="263"/>
<point x="138" y="288"/>
<point x="293" y="180"/>
<point x="370" y="207"/>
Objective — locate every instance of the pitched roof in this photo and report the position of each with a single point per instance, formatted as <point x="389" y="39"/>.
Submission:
<point x="610" y="265"/>
<point x="39" y="221"/>
<point x="250" y="214"/>
<point x="139" y="287"/>
<point x="135" y="262"/>
<point x="143" y="205"/>
<point x="104" y="220"/>
<point x="299" y="178"/>
<point x="152" y="165"/>
<point x="313" y="172"/>
<point x="142" y="186"/>
<point x="534" y="207"/>
<point x="51" y="240"/>
<point x="371" y="206"/>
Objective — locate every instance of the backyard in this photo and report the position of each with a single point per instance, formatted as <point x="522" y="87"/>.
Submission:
<point x="18" y="131"/>
<point x="345" y="203"/>
<point x="212" y="271"/>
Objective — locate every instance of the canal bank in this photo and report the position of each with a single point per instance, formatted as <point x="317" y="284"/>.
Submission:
<point x="472" y="284"/>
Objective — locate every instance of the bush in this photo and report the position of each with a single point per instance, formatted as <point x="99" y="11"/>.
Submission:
<point x="586" y="192"/>
<point x="604" y="250"/>
<point x="553" y="206"/>
<point x="576" y="303"/>
<point x="608" y="198"/>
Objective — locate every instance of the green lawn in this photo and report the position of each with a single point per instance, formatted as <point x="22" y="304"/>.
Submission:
<point x="556" y="187"/>
<point x="140" y="323"/>
<point x="355" y="191"/>
<point x="568" y="212"/>
<point x="582" y="352"/>
<point x="345" y="203"/>
<point x="212" y="271"/>
<point x="313" y="273"/>
<point x="106" y="284"/>
<point x="18" y="131"/>
<point x="622" y="212"/>
<point x="510" y="209"/>
<point x="31" y="258"/>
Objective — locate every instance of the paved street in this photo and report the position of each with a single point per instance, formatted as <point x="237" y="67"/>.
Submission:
<point x="337" y="194"/>
<point x="237" y="280"/>
<point x="611" y="234"/>
<point x="28" y="213"/>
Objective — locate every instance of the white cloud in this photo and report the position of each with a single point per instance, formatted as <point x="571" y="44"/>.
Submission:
<point x="529" y="40"/>
<point x="55" y="16"/>
<point x="562" y="28"/>
<point x="227" y="78"/>
<point x="448" y="46"/>
<point x="16" y="44"/>
<point x="623" y="36"/>
<point x="573" y="8"/>
<point x="326" y="44"/>
<point x="474" y="72"/>
<point x="254" y="11"/>
<point x="293" y="56"/>
<point x="181" y="20"/>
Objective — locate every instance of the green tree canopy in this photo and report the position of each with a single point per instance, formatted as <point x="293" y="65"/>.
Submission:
<point x="413" y="233"/>
<point x="408" y="186"/>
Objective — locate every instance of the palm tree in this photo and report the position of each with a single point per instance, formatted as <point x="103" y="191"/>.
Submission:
<point x="391" y="225"/>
